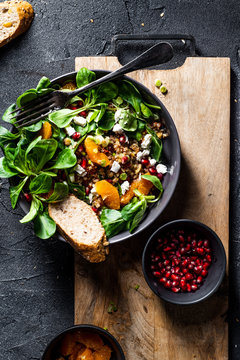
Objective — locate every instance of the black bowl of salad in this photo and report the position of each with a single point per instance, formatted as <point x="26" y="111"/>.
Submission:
<point x="115" y="147"/>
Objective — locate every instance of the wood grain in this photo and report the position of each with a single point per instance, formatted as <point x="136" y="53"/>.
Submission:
<point x="148" y="329"/>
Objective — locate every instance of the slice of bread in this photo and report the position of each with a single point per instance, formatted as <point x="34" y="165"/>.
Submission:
<point x="80" y="226"/>
<point x="15" y="18"/>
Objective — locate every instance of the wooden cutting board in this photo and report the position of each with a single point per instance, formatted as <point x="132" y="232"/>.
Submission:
<point x="149" y="329"/>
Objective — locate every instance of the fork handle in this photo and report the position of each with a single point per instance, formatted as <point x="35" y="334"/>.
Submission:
<point x="157" y="54"/>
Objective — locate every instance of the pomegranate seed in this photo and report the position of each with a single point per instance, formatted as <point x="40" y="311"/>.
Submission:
<point x="200" y="251"/>
<point x="167" y="284"/>
<point x="177" y="270"/>
<point x="194" y="243"/>
<point x="80" y="148"/>
<point x="94" y="209"/>
<point x="209" y="258"/>
<point x="184" y="263"/>
<point x="181" y="238"/>
<point x="206" y="266"/>
<point x="28" y="197"/>
<point x="188" y="276"/>
<point x="76" y="136"/>
<point x="152" y="170"/>
<point x="87" y="190"/>
<point x="160" y="176"/>
<point x="168" y="274"/>
<point x="157" y="258"/>
<point x="185" y="271"/>
<point x="157" y="273"/>
<point x="174" y="277"/>
<point x="145" y="162"/>
<point x="125" y="159"/>
<point x="190" y="266"/>
<point x="200" y="242"/>
<point x="84" y="163"/>
<point x="163" y="280"/>
<point x="204" y="273"/>
<point x="189" y="288"/>
<point x="168" y="268"/>
<point x="182" y="251"/>
<point x="206" y="243"/>
<point x="80" y="103"/>
<point x="188" y="247"/>
<point x="175" y="289"/>
<point x="153" y="267"/>
<point x="198" y="269"/>
<point x="168" y="248"/>
<point x="194" y="287"/>
<point x="166" y="262"/>
<point x="122" y="139"/>
<point x="183" y="284"/>
<point x="83" y="113"/>
<point x="207" y="250"/>
<point x="73" y="107"/>
<point x="199" y="279"/>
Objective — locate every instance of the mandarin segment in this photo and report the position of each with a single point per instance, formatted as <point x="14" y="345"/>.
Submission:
<point x="103" y="354"/>
<point x="87" y="354"/>
<point x="90" y="340"/>
<point x="142" y="185"/>
<point x="109" y="194"/>
<point x="92" y="149"/>
<point x="46" y="130"/>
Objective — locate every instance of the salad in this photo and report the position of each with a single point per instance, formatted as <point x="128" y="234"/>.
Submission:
<point x="105" y="147"/>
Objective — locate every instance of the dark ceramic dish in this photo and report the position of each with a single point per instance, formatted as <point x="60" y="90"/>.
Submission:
<point x="215" y="274"/>
<point x="171" y="156"/>
<point x="51" y="352"/>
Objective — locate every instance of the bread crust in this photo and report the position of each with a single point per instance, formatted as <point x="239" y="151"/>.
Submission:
<point x="25" y="14"/>
<point x="93" y="252"/>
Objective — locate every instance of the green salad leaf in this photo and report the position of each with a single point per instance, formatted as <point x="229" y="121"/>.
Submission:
<point x="44" y="226"/>
<point x="112" y="221"/>
<point x="65" y="159"/>
<point x="5" y="170"/>
<point x="84" y="77"/>
<point x="156" y="145"/>
<point x="59" y="193"/>
<point x="129" y="93"/>
<point x="7" y="116"/>
<point x="15" y="191"/>
<point x="35" y="206"/>
<point x="40" y="184"/>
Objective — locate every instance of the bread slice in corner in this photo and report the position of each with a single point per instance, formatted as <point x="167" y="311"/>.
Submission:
<point x="80" y="226"/>
<point x="15" y="18"/>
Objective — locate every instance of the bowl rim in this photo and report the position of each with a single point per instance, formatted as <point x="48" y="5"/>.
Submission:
<point x="87" y="327"/>
<point x="151" y="219"/>
<point x="218" y="241"/>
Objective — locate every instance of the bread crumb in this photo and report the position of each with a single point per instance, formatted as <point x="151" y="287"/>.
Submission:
<point x="91" y="20"/>
<point x="142" y="24"/>
<point x="162" y="14"/>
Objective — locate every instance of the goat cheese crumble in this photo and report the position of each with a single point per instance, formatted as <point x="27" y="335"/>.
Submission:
<point x="79" y="120"/>
<point x="80" y="170"/>
<point x="125" y="187"/>
<point x="146" y="141"/>
<point x="70" y="130"/>
<point x="117" y="129"/>
<point x="161" y="168"/>
<point x="115" y="167"/>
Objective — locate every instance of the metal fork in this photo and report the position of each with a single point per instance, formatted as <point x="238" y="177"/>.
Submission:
<point x="45" y="104"/>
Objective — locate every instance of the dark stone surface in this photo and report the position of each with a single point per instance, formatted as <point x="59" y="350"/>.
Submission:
<point x="36" y="277"/>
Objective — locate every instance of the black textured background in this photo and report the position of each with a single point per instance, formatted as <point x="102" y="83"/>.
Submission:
<point x="36" y="277"/>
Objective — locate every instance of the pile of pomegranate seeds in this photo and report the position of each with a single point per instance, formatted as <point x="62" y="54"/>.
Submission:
<point x="181" y="261"/>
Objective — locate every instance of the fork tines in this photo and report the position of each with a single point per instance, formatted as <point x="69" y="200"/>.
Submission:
<point x="34" y="111"/>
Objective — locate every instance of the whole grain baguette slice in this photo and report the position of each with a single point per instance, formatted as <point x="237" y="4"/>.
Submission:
<point x="15" y="18"/>
<point x="81" y="227"/>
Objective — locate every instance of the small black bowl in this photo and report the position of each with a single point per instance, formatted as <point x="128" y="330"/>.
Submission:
<point x="51" y="351"/>
<point x="215" y="273"/>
